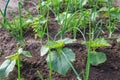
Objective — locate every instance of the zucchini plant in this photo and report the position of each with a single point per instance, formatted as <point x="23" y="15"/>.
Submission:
<point x="58" y="56"/>
<point x="97" y="58"/>
<point x="10" y="62"/>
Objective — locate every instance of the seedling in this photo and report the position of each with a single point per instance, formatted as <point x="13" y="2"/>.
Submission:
<point x="59" y="58"/>
<point x="97" y="58"/>
<point x="70" y="21"/>
<point x="39" y="25"/>
<point x="15" y="28"/>
<point x="113" y="14"/>
<point x="10" y="62"/>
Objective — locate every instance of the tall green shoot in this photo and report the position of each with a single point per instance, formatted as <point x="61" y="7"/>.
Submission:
<point x="110" y="26"/>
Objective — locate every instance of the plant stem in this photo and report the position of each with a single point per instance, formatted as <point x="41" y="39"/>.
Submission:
<point x="109" y="22"/>
<point x="88" y="53"/>
<point x="78" y="77"/>
<point x="50" y="71"/>
<point x="88" y="64"/>
<point x="20" y="25"/>
<point x="18" y="64"/>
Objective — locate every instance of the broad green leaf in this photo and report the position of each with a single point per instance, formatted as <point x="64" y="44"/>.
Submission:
<point x="68" y="40"/>
<point x="44" y="50"/>
<point x="97" y="58"/>
<point x="13" y="57"/>
<point x="98" y="42"/>
<point x="20" y="50"/>
<point x="70" y="54"/>
<point x="118" y="40"/>
<point x="26" y="54"/>
<point x="6" y="68"/>
<point x="58" y="61"/>
<point x="54" y="44"/>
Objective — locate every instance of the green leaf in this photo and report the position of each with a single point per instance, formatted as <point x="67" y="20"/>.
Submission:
<point x="103" y="9"/>
<point x="6" y="68"/>
<point x="98" y="42"/>
<point x="118" y="40"/>
<point x="26" y="54"/>
<point x="28" y="22"/>
<point x="59" y="62"/>
<point x="59" y="43"/>
<point x="1" y="12"/>
<point x="68" y="40"/>
<point x="94" y="15"/>
<point x="44" y="50"/>
<point x="63" y="16"/>
<point x="102" y="0"/>
<point x="20" y="50"/>
<point x="97" y="58"/>
<point x="13" y="57"/>
<point x="84" y="2"/>
<point x="115" y="13"/>
<point x="54" y="44"/>
<point x="70" y="54"/>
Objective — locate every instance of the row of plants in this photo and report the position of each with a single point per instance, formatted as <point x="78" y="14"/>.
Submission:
<point x="90" y="18"/>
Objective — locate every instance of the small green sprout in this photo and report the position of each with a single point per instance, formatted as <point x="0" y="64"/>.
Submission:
<point x="10" y="62"/>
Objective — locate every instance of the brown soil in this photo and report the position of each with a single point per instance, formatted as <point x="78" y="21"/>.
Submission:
<point x="110" y="70"/>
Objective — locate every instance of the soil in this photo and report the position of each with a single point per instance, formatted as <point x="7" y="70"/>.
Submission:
<point x="110" y="70"/>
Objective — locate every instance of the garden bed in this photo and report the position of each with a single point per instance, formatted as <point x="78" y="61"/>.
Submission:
<point x="110" y="70"/>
